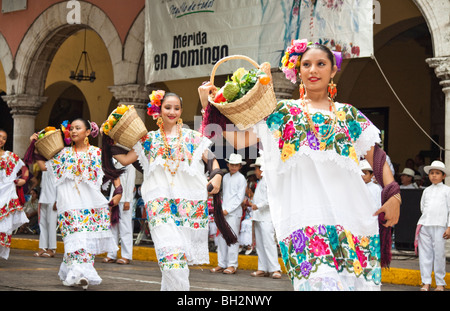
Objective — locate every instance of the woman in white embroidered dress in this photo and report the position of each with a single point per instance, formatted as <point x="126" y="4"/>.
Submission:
<point x="175" y="190"/>
<point x="325" y="220"/>
<point x="83" y="211"/>
<point x="12" y="215"/>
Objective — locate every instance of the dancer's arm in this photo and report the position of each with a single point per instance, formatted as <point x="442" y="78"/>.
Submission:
<point x="238" y="139"/>
<point x="216" y="181"/>
<point x="391" y="207"/>
<point x="128" y="158"/>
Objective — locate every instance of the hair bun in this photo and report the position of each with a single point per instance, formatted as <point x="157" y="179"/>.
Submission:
<point x="94" y="129"/>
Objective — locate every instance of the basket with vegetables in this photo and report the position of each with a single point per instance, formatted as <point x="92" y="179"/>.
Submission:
<point x="49" y="142"/>
<point x="124" y="126"/>
<point x="246" y="98"/>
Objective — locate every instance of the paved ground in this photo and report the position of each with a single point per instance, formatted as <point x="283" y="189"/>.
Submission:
<point x="23" y="272"/>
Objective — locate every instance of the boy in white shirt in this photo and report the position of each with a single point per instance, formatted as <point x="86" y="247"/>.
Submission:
<point x="266" y="245"/>
<point x="374" y="189"/>
<point x="234" y="185"/>
<point x="433" y="226"/>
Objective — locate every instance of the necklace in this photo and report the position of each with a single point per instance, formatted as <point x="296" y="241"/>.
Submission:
<point x="331" y="129"/>
<point x="78" y="164"/>
<point x="171" y="157"/>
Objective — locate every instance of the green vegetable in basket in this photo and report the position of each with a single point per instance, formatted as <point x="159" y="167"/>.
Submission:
<point x="230" y="90"/>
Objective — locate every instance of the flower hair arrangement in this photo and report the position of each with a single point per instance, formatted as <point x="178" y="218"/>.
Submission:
<point x="65" y="128"/>
<point x="154" y="106"/>
<point x="290" y="63"/>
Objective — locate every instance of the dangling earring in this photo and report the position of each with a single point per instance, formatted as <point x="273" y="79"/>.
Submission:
<point x="332" y="90"/>
<point x="159" y="121"/>
<point x="302" y="90"/>
<point x="86" y="141"/>
<point x="180" y="122"/>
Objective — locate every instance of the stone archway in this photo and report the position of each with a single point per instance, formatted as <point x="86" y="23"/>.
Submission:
<point x="6" y="59"/>
<point x="46" y="35"/>
<point x="28" y="71"/>
<point x="438" y="20"/>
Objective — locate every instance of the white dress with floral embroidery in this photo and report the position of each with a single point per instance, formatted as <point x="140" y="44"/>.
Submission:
<point x="83" y="212"/>
<point x="320" y="206"/>
<point x="176" y="205"/>
<point x="12" y="215"/>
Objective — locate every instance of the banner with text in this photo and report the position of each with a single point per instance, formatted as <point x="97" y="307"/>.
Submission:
<point x="185" y="38"/>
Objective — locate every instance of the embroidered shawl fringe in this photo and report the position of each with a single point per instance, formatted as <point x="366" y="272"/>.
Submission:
<point x="379" y="158"/>
<point x="110" y="171"/>
<point x="222" y="225"/>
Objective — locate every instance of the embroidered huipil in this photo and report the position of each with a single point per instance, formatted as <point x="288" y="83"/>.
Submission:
<point x="12" y="215"/>
<point x="321" y="209"/>
<point x="176" y="205"/>
<point x="83" y="211"/>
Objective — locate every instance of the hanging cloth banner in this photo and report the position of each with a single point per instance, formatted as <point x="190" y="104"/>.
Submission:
<point x="184" y="38"/>
<point x="342" y="25"/>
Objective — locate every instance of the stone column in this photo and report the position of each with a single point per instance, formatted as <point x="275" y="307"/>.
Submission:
<point x="24" y="109"/>
<point x="133" y="94"/>
<point x="441" y="66"/>
<point x="283" y="87"/>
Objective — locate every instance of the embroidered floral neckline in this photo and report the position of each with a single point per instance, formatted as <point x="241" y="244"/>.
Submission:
<point x="293" y="133"/>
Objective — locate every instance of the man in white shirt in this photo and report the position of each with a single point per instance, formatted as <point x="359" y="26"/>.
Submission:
<point x="234" y="185"/>
<point x="266" y="245"/>
<point x="124" y="229"/>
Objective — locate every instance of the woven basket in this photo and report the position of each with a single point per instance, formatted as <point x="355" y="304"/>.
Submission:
<point x="129" y="129"/>
<point x="50" y="145"/>
<point x="254" y="106"/>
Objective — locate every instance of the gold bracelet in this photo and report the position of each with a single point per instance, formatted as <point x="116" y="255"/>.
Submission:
<point x="398" y="197"/>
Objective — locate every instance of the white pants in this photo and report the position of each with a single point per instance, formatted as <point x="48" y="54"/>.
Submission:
<point x="47" y="225"/>
<point x="227" y="256"/>
<point x="266" y="246"/>
<point x="432" y="254"/>
<point x="124" y="231"/>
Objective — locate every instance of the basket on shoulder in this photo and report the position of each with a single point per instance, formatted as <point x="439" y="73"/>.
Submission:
<point x="248" y="97"/>
<point x="124" y="126"/>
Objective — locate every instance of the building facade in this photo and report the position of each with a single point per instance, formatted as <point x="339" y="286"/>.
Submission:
<point x="41" y="42"/>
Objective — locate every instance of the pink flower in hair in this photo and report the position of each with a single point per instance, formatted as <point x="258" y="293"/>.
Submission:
<point x="300" y="45"/>
<point x="94" y="129"/>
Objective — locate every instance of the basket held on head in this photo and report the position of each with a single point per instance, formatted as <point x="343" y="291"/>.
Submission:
<point x="129" y="129"/>
<point x="254" y="106"/>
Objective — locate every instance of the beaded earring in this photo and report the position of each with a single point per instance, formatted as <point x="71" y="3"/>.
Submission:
<point x="86" y="141"/>
<point x="332" y="90"/>
<point x="159" y="121"/>
<point x="302" y="90"/>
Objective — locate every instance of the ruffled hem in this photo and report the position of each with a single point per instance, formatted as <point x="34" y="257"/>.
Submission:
<point x="93" y="242"/>
<point x="4" y="252"/>
<point x="71" y="274"/>
<point x="332" y="280"/>
<point x="13" y="221"/>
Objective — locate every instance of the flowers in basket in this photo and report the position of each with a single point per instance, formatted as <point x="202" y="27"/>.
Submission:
<point x="114" y="117"/>
<point x="241" y="82"/>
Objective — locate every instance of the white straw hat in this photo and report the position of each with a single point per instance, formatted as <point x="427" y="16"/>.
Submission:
<point x="408" y="171"/>
<point x="365" y="166"/>
<point x="436" y="165"/>
<point x="235" y="159"/>
<point x="258" y="162"/>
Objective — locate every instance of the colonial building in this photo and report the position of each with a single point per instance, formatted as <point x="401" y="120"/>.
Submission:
<point x="41" y="43"/>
